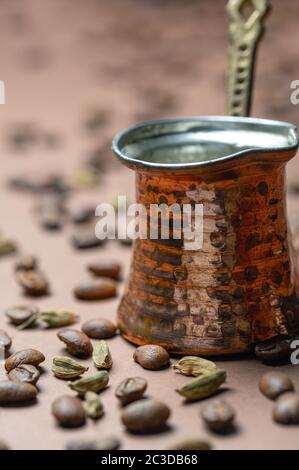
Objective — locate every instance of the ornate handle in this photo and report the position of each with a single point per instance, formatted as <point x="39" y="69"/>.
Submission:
<point x="245" y="29"/>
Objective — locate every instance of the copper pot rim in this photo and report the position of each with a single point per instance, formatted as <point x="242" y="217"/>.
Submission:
<point x="153" y="128"/>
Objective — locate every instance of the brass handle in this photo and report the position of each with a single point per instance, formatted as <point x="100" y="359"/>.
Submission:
<point x="244" y="34"/>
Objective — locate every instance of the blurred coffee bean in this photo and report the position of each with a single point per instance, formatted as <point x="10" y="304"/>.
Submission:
<point x="105" y="269"/>
<point x="96" y="289"/>
<point x="102" y="443"/>
<point x="85" y="238"/>
<point x="272" y="384"/>
<point x="51" y="213"/>
<point x="5" y="341"/>
<point x="34" y="283"/>
<point x="82" y="215"/>
<point x="286" y="409"/>
<point x="218" y="416"/>
<point x="275" y="350"/>
<point x="22" y="136"/>
<point x="99" y="328"/>
<point x="20" y="314"/>
<point x="26" y="263"/>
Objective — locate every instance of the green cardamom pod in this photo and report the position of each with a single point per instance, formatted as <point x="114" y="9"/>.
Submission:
<point x="7" y="247"/>
<point x="66" y="368"/>
<point x="193" y="365"/>
<point x="58" y="318"/>
<point x="93" y="383"/>
<point x="93" y="405"/>
<point x="203" y="386"/>
<point x="101" y="356"/>
<point x="29" y="322"/>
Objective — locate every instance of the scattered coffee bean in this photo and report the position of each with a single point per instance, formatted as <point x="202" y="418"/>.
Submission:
<point x="192" y="443"/>
<point x="3" y="445"/>
<point x="286" y="409"/>
<point x="58" y="318"/>
<point x="82" y="215"/>
<point x="103" y="443"/>
<point x="51" y="213"/>
<point x="77" y="343"/>
<point x="13" y="392"/>
<point x="131" y="389"/>
<point x="26" y="263"/>
<point x="194" y="366"/>
<point x="151" y="356"/>
<point x="93" y="405"/>
<point x="94" y="383"/>
<point x="146" y="415"/>
<point x="275" y="350"/>
<point x="86" y="238"/>
<point x="25" y="373"/>
<point x="273" y="384"/>
<point x="26" y="356"/>
<point x="99" y="328"/>
<point x="21" y="314"/>
<point x="218" y="416"/>
<point x="101" y="356"/>
<point x="7" y="246"/>
<point x="96" y="289"/>
<point x="203" y="386"/>
<point x="34" y="283"/>
<point x="105" y="269"/>
<point x="69" y="411"/>
<point x="5" y="341"/>
<point x="66" y="368"/>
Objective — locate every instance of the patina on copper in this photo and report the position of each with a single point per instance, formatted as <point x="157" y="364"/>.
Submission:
<point x="239" y="288"/>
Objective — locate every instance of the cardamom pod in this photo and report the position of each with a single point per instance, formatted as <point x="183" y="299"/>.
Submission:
<point x="203" y="386"/>
<point x="101" y="356"/>
<point x="66" y="368"/>
<point x="58" y="318"/>
<point x="93" y="383"/>
<point x="7" y="246"/>
<point x="193" y="365"/>
<point x="93" y="405"/>
<point x="28" y="323"/>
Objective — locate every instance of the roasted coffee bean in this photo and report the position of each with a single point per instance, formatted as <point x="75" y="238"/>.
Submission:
<point x="86" y="238"/>
<point x="146" y="415"/>
<point x="25" y="373"/>
<point x="131" y="389"/>
<point x="273" y="384"/>
<point x="151" y="356"/>
<point x="51" y="212"/>
<point x="286" y="409"/>
<point x="103" y="443"/>
<point x="26" y="263"/>
<point x="218" y="415"/>
<point x="26" y="356"/>
<point x="69" y="411"/>
<point x="96" y="289"/>
<point x="77" y="343"/>
<point x="21" y="314"/>
<point x="275" y="350"/>
<point x="13" y="392"/>
<point x="5" y="341"/>
<point x="3" y="445"/>
<point x="192" y="443"/>
<point x="34" y="283"/>
<point x="105" y="269"/>
<point x="81" y="215"/>
<point x="99" y="328"/>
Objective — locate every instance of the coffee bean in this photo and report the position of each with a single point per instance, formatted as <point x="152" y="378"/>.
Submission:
<point x="273" y="384"/>
<point x="146" y="415"/>
<point x="275" y="350"/>
<point x="26" y="356"/>
<point x="12" y="392"/>
<point x="99" y="328"/>
<point x="192" y="443"/>
<point x="77" y="343"/>
<point x="3" y="445"/>
<point x="25" y="373"/>
<point x="69" y="411"/>
<point x="218" y="415"/>
<point x="20" y="315"/>
<point x="34" y="283"/>
<point x="105" y="269"/>
<point x="96" y="289"/>
<point x="26" y="263"/>
<point x="286" y="409"/>
<point x="131" y="389"/>
<point x="85" y="238"/>
<point x="5" y="341"/>
<point x="151" y="356"/>
<point x="81" y="215"/>
<point x="102" y="443"/>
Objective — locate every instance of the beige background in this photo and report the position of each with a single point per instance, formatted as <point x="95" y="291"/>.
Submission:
<point x="61" y="58"/>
